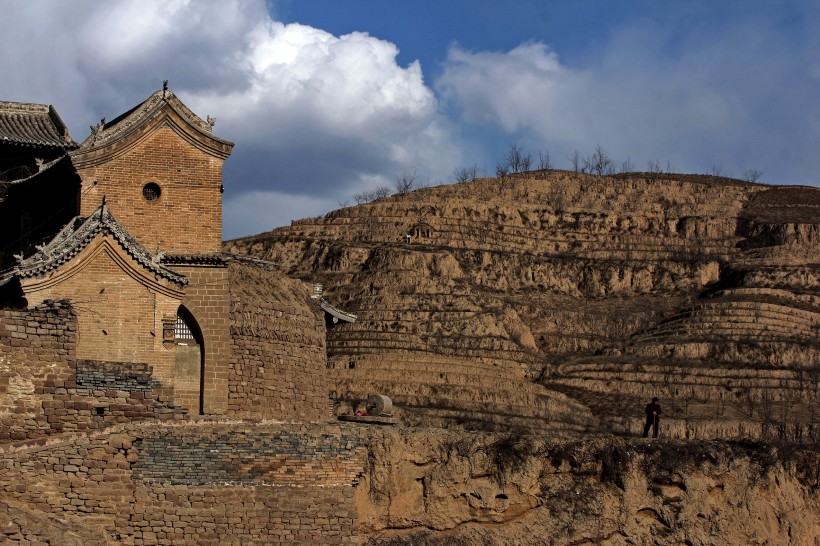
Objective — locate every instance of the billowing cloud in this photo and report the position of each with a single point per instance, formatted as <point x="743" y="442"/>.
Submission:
<point x="315" y="117"/>
<point x="333" y="110"/>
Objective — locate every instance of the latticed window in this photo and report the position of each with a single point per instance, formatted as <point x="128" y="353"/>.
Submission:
<point x="182" y="332"/>
<point x="151" y="191"/>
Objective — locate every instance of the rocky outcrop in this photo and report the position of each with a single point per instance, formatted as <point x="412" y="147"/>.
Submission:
<point x="474" y="489"/>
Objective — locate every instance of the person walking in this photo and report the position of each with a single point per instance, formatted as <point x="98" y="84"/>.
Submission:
<point x="653" y="418"/>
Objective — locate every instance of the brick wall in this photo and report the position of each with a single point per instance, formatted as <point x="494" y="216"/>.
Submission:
<point x="44" y="390"/>
<point x="187" y="216"/>
<point x="102" y="376"/>
<point x="277" y="365"/>
<point x="244" y="493"/>
<point x="207" y="299"/>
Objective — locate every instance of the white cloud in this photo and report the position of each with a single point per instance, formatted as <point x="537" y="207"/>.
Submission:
<point x="309" y="89"/>
<point x="312" y="114"/>
<point x="737" y="98"/>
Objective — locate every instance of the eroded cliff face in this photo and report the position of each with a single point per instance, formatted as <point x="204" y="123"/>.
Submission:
<point x="561" y="301"/>
<point x="453" y="487"/>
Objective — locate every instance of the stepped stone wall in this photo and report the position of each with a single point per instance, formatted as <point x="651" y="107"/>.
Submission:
<point x="562" y="273"/>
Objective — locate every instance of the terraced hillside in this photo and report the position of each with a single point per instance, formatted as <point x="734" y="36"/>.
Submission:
<point x="564" y="301"/>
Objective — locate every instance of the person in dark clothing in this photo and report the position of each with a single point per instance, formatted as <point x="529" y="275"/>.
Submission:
<point x="653" y="418"/>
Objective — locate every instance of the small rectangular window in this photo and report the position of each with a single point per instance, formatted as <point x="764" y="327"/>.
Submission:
<point x="182" y="331"/>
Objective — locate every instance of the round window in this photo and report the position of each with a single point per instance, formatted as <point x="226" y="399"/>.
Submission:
<point x="151" y="191"/>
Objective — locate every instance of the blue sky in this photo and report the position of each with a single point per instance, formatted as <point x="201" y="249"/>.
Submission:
<point x="328" y="98"/>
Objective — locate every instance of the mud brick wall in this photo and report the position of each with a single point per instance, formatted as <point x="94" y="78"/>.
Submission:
<point x="96" y="482"/>
<point x="35" y="347"/>
<point x="277" y="365"/>
<point x="41" y="392"/>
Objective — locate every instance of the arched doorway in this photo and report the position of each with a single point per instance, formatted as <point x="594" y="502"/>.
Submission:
<point x="189" y="365"/>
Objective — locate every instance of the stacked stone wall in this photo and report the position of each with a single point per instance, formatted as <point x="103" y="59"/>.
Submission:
<point x="277" y="365"/>
<point x="198" y="484"/>
<point x="45" y="390"/>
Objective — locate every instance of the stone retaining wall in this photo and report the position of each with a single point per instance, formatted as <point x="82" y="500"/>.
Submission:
<point x="203" y="483"/>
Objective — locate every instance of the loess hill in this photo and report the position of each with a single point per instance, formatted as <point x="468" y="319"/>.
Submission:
<point x="564" y="301"/>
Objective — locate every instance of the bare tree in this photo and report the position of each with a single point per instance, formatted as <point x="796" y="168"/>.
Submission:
<point x="367" y="196"/>
<point x="575" y="159"/>
<point x="516" y="161"/>
<point x="404" y="182"/>
<point x="717" y="169"/>
<point x="627" y="166"/>
<point x="502" y="170"/>
<point x="526" y="163"/>
<point x="544" y="162"/>
<point x="752" y="175"/>
<point x="653" y="170"/>
<point x="465" y="174"/>
<point x="599" y="163"/>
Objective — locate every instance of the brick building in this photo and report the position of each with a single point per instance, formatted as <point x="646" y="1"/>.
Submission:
<point x="126" y="226"/>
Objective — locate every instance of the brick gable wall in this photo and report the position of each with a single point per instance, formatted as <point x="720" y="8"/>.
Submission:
<point x="187" y="216"/>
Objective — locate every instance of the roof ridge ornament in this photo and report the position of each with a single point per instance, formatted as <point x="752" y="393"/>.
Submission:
<point x="164" y="87"/>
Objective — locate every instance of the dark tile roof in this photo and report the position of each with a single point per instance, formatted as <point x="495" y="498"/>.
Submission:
<point x="36" y="125"/>
<point x="75" y="236"/>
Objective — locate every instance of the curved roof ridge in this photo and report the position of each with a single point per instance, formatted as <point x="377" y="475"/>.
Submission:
<point x="104" y="133"/>
<point x="77" y="234"/>
<point x="46" y="167"/>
